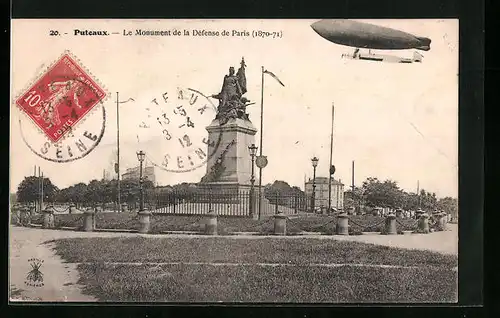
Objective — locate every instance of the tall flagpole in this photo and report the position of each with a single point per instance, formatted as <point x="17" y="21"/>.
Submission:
<point x="261" y="135"/>
<point x="118" y="150"/>
<point x="330" y="166"/>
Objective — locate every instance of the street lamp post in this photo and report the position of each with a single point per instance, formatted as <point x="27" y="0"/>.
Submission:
<point x="314" y="164"/>
<point x="253" y="152"/>
<point x="140" y="156"/>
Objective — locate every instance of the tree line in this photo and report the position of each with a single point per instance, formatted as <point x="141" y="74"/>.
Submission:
<point x="387" y="194"/>
<point x="372" y="193"/>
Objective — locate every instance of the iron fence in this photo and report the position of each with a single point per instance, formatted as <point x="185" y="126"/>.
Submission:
<point x="230" y="203"/>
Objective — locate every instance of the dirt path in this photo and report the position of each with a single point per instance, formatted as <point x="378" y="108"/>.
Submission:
<point x="59" y="279"/>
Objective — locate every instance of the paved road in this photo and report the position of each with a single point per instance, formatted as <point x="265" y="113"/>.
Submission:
<point x="60" y="279"/>
<point x="445" y="242"/>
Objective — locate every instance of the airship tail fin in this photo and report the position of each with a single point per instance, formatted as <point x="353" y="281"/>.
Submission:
<point x="425" y="44"/>
<point x="417" y="57"/>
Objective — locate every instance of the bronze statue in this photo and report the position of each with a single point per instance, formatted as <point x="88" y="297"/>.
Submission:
<point x="232" y="104"/>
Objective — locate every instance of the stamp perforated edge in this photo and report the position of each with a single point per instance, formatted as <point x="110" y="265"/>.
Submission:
<point x="45" y="71"/>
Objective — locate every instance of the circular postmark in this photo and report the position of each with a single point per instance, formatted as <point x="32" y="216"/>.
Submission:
<point x="64" y="96"/>
<point x="173" y="129"/>
<point x="69" y="101"/>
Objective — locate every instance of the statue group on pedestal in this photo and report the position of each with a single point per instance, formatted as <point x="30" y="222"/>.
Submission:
<point x="232" y="104"/>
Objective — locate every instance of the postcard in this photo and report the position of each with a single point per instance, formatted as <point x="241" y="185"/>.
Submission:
<point x="234" y="161"/>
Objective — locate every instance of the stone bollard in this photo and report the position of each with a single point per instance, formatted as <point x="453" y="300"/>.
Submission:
<point x="48" y="219"/>
<point x="390" y="224"/>
<point x="211" y="223"/>
<point x="124" y="207"/>
<point x="89" y="220"/>
<point x="343" y="224"/>
<point x="423" y="223"/>
<point x="280" y="224"/>
<point x="145" y="221"/>
<point x="441" y="222"/>
<point x="72" y="208"/>
<point x="16" y="214"/>
<point x="24" y="217"/>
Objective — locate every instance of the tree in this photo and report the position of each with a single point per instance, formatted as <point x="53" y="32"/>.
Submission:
<point x="428" y="200"/>
<point x="94" y="192"/>
<point x="448" y="205"/>
<point x="353" y="199"/>
<point x="286" y="194"/>
<point x="410" y="201"/>
<point x="382" y="194"/>
<point x="28" y="190"/>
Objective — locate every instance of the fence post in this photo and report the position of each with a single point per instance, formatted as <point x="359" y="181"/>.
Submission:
<point x="174" y="201"/>
<point x="276" y="204"/>
<point x="295" y="199"/>
<point x="342" y="224"/>
<point x="280" y="224"/>
<point x="88" y="225"/>
<point x="390" y="224"/>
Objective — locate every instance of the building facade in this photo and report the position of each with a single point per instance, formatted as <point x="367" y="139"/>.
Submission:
<point x="134" y="174"/>
<point x="321" y="193"/>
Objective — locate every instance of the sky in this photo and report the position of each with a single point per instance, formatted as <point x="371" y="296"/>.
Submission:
<point x="396" y="121"/>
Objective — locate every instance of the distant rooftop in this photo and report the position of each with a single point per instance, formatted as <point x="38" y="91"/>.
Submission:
<point x="320" y="180"/>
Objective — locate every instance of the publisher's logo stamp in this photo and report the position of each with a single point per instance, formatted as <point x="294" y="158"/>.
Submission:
<point x="35" y="276"/>
<point x="61" y="98"/>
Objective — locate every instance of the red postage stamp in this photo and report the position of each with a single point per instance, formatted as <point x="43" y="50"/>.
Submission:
<point x="61" y="98"/>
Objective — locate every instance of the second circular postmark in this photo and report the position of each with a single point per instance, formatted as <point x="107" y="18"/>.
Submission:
<point x="173" y="130"/>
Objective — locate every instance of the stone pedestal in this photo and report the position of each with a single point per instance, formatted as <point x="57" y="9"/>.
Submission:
<point x="211" y="223"/>
<point x="342" y="224"/>
<point x="229" y="164"/>
<point x="144" y="221"/>
<point x="423" y="223"/>
<point x="441" y="222"/>
<point x="48" y="219"/>
<point x="280" y="224"/>
<point x="229" y="143"/>
<point x="88" y="220"/>
<point x="390" y="225"/>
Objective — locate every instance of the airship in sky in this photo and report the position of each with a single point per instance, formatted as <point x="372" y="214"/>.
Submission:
<point x="368" y="36"/>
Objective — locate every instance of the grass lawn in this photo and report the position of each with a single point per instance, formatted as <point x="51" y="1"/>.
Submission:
<point x="228" y="225"/>
<point x="291" y="280"/>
